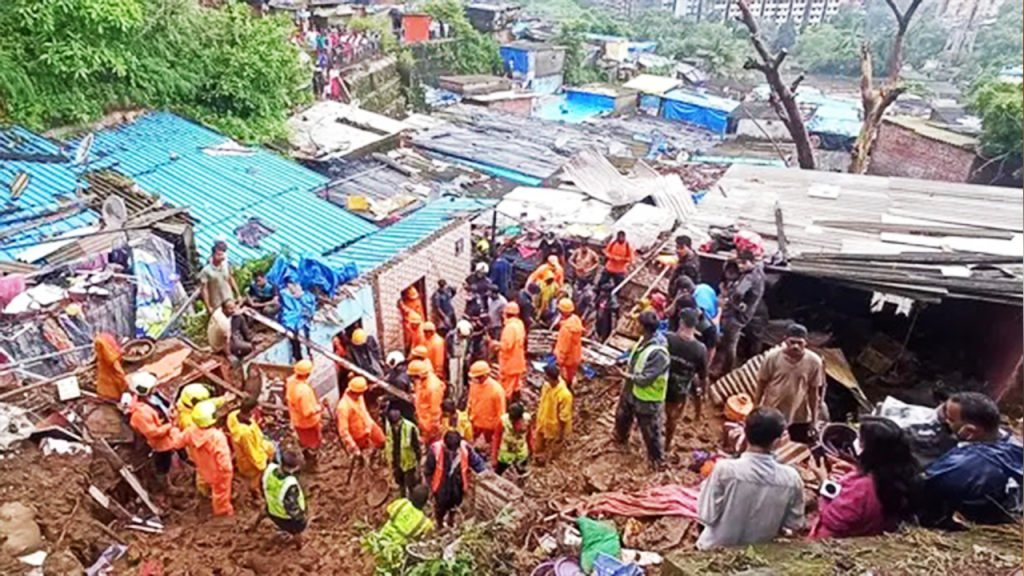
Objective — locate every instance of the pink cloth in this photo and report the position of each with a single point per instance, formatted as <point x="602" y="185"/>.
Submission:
<point x="856" y="511"/>
<point x="668" y="500"/>
<point x="10" y="286"/>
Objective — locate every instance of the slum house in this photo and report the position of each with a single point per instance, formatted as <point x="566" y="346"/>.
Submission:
<point x="490" y="18"/>
<point x="916" y="148"/>
<point x="918" y="282"/>
<point x="535" y="66"/>
<point x="328" y="130"/>
<point x="651" y="88"/>
<point x="704" y="110"/>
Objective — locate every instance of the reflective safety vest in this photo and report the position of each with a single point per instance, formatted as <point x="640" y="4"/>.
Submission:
<point x="407" y="458"/>
<point x="274" y="490"/>
<point x="405" y="521"/>
<point x="637" y="359"/>
<point x="513" y="448"/>
<point x="463" y="465"/>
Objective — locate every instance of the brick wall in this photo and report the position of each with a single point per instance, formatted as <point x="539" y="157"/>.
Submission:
<point x="899" y="151"/>
<point x="434" y="258"/>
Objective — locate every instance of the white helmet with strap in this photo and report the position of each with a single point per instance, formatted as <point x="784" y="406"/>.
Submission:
<point x="142" y="383"/>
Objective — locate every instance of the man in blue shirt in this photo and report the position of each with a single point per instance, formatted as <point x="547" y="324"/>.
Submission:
<point x="981" y="477"/>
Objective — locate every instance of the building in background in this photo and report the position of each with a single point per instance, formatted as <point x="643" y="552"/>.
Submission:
<point x="798" y="11"/>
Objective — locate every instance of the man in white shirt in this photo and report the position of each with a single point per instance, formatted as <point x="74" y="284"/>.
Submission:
<point x="753" y="498"/>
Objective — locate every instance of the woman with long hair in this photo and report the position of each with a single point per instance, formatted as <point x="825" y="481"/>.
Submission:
<point x="878" y="495"/>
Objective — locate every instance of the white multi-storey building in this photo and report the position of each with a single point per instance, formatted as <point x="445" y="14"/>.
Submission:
<point x="798" y="11"/>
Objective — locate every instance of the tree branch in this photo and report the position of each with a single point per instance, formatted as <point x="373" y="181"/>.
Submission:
<point x="796" y="83"/>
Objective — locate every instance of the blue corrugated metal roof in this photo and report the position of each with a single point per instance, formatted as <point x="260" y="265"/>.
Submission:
<point x="47" y="182"/>
<point x="377" y="249"/>
<point x="170" y="156"/>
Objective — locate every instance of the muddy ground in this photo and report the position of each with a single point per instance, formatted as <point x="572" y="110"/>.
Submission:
<point x="343" y="501"/>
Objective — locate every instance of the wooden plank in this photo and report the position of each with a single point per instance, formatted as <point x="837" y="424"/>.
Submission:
<point x="228" y="386"/>
<point x="370" y="378"/>
<point x="862" y="226"/>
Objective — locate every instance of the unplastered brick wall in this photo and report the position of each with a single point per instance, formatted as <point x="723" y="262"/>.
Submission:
<point x="446" y="254"/>
<point x="901" y="152"/>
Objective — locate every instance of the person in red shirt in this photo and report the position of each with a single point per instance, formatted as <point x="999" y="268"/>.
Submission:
<point x="619" y="254"/>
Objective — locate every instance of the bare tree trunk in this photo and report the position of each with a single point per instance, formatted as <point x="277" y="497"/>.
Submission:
<point x="877" y="100"/>
<point x="782" y="98"/>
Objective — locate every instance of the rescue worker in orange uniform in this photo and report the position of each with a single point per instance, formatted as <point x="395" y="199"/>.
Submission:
<point x="569" y="346"/>
<point x="413" y="314"/>
<point x="304" y="410"/>
<point x="512" y="351"/>
<point x="357" y="429"/>
<point x="420" y="352"/>
<point x="429" y="391"/>
<point x="486" y="401"/>
<point x="111" y="381"/>
<point x="435" y="347"/>
<point x="619" y="254"/>
<point x="212" y="453"/>
<point x="551" y="264"/>
<point x="159" y="432"/>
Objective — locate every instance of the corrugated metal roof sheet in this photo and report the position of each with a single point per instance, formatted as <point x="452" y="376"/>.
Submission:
<point x="47" y="182"/>
<point x="652" y="84"/>
<point x="171" y="156"/>
<point x="377" y="249"/>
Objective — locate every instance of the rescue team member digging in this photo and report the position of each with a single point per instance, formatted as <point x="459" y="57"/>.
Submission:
<point x="304" y="410"/>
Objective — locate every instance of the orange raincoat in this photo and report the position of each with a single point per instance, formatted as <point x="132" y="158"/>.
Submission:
<point x="110" y="377"/>
<point x="413" y="315"/>
<point x="436" y="352"/>
<point x="569" y="346"/>
<point x="619" y="255"/>
<point x="144" y="419"/>
<point x="357" y="429"/>
<point x="212" y="456"/>
<point x="486" y="406"/>
<point x="512" y="355"/>
<point x="541" y="270"/>
<point x="429" y="396"/>
<point x="303" y="408"/>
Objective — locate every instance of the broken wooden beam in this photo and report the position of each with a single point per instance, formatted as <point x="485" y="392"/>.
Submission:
<point x="227" y="385"/>
<point x="370" y="378"/>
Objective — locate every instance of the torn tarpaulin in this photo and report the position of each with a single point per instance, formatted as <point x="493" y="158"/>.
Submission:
<point x="668" y="500"/>
<point x="310" y="272"/>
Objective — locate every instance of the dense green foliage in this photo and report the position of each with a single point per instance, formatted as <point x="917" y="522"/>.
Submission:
<point x="572" y="35"/>
<point x="472" y="52"/>
<point x="1000" y="42"/>
<point x="834" y="47"/>
<point x="1001" y="107"/>
<point x="71" y="61"/>
<point x="721" y="48"/>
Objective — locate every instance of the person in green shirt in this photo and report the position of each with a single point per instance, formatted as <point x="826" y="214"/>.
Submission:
<point x="406" y="520"/>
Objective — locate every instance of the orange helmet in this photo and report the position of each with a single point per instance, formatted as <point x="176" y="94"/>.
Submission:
<point x="359" y="337"/>
<point x="512" y="309"/>
<point x="565" y="305"/>
<point x="479" y="368"/>
<point x="429" y="327"/>
<point x="553" y="260"/>
<point x="415" y="318"/>
<point x="412" y="293"/>
<point x="357" y="385"/>
<point x="419" y="353"/>
<point x="418" y="368"/>
<point x="303" y="368"/>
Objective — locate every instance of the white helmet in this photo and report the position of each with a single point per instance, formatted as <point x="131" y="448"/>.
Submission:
<point x="482" y="267"/>
<point x="464" y="327"/>
<point x="142" y="383"/>
<point x="394" y="358"/>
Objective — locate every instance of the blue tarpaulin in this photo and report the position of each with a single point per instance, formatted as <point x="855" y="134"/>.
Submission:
<point x="310" y="272"/>
<point x="837" y="117"/>
<point x="650" y="102"/>
<point x="711" y="112"/>
<point x="517" y="60"/>
<point x="590" y="100"/>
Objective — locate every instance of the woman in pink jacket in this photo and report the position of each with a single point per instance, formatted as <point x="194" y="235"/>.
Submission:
<point x="877" y="496"/>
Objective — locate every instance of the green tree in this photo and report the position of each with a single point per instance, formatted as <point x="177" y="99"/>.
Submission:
<point x="720" y="47"/>
<point x="70" y="61"/>
<point x="1000" y="42"/>
<point x="472" y="52"/>
<point x="1001" y="107"/>
<point x="833" y="47"/>
<point x="572" y="35"/>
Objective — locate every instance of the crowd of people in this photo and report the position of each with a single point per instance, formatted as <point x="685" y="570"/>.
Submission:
<point x="456" y="415"/>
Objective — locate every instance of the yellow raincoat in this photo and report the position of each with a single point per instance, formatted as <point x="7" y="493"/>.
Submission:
<point x="252" y="450"/>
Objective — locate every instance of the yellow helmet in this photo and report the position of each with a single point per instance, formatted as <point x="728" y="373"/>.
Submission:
<point x="357" y="385"/>
<point x="204" y="414"/>
<point x="193" y="393"/>
<point x="359" y="337"/>
<point x="303" y="367"/>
